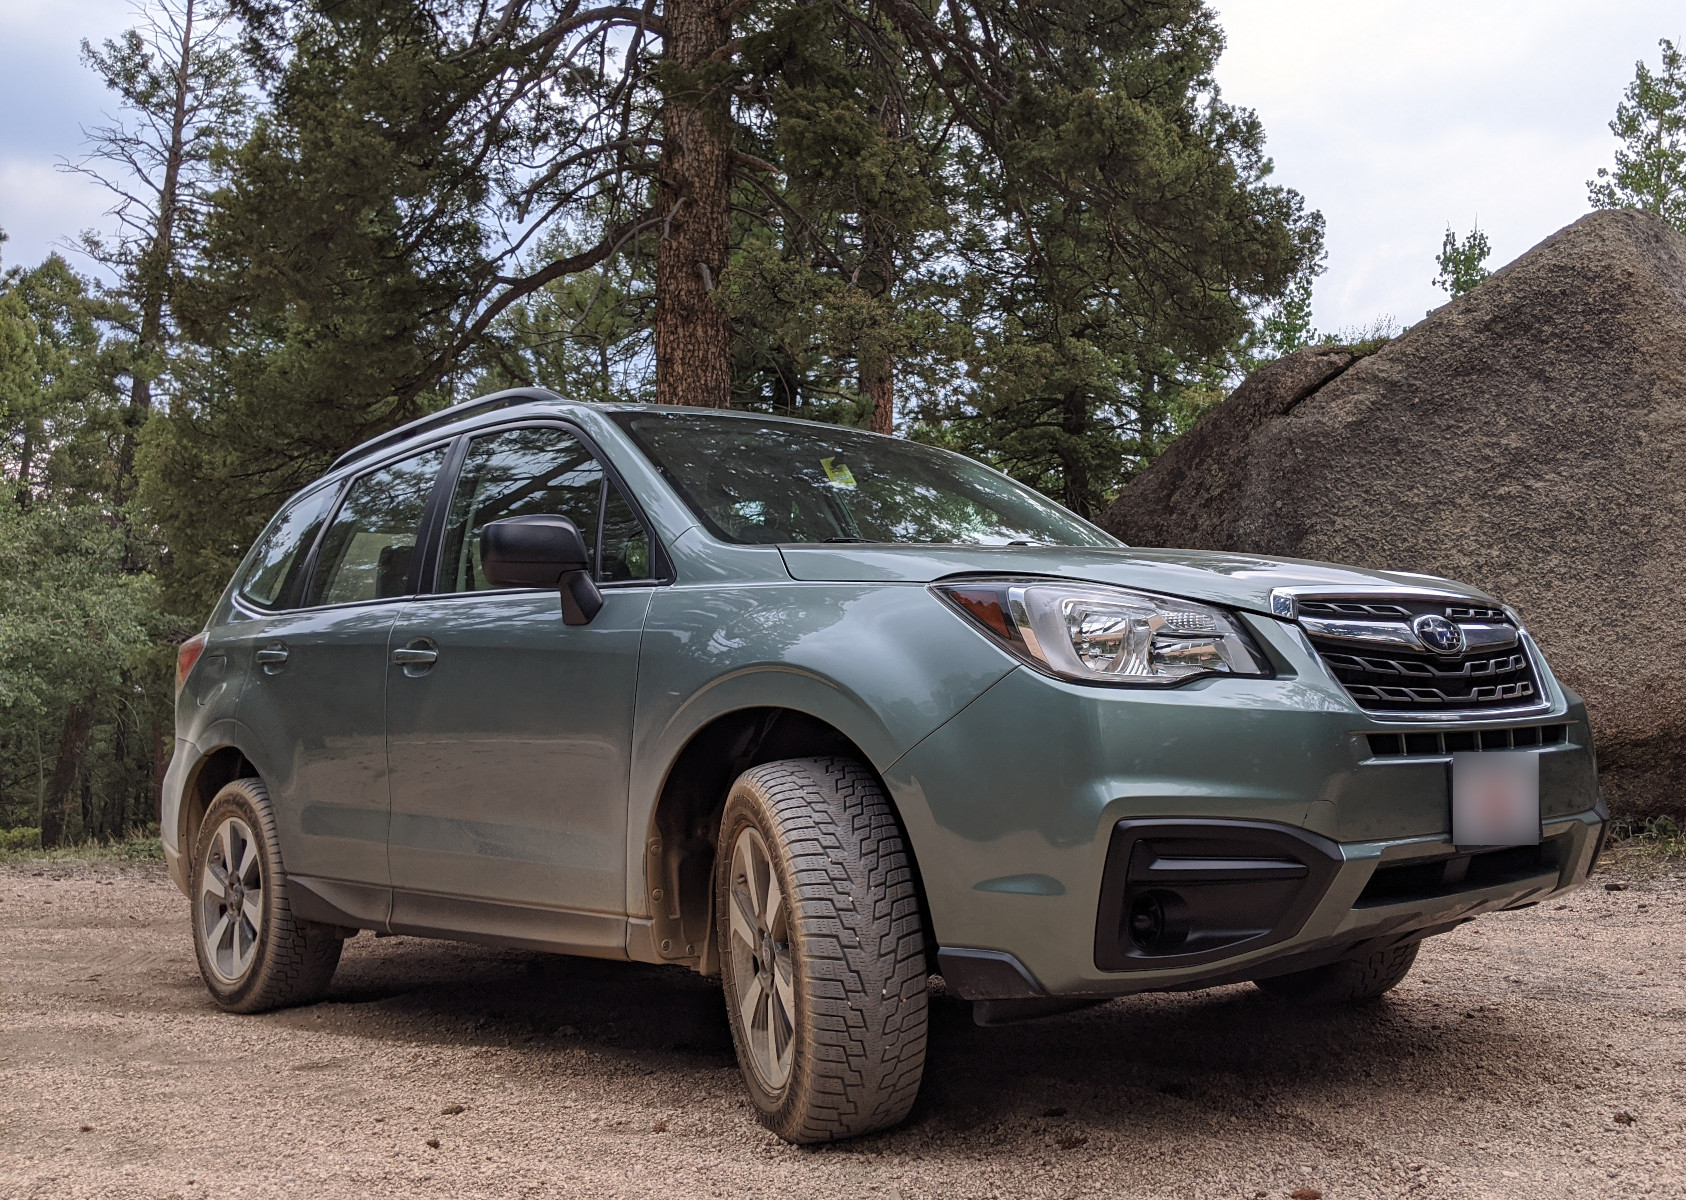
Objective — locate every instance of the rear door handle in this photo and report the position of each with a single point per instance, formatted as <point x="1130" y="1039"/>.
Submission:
<point x="272" y="656"/>
<point x="417" y="656"/>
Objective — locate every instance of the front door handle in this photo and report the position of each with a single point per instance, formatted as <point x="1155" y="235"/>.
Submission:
<point x="272" y="657"/>
<point x="417" y="656"/>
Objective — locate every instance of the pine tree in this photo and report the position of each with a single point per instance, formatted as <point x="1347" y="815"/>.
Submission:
<point x="1138" y="234"/>
<point x="180" y="89"/>
<point x="82" y="701"/>
<point x="1037" y="223"/>
<point x="1650" y="171"/>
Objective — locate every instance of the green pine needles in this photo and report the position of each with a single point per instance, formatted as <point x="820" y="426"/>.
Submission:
<point x="1650" y="171"/>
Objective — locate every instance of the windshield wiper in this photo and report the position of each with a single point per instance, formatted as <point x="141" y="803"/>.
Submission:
<point x="844" y="539"/>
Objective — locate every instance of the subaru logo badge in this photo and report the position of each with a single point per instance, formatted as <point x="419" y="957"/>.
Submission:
<point x="1441" y="636"/>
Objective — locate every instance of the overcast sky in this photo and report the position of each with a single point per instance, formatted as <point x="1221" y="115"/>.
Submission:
<point x="1394" y="118"/>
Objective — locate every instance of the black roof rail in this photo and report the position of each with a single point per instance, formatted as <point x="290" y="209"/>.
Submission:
<point x="445" y="416"/>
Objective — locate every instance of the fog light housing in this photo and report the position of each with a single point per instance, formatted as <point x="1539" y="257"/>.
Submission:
<point x="1180" y="892"/>
<point x="1158" y="921"/>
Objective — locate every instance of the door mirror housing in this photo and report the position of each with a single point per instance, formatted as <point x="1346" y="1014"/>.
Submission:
<point x="542" y="550"/>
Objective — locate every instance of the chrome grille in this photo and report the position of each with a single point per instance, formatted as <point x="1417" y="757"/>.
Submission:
<point x="1368" y="643"/>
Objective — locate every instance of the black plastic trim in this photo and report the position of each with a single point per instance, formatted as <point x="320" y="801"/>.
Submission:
<point x="1289" y="866"/>
<point x="425" y="568"/>
<point x="1435" y="743"/>
<point x="986" y="975"/>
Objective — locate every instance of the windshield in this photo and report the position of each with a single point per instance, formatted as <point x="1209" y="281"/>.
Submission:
<point x="754" y="480"/>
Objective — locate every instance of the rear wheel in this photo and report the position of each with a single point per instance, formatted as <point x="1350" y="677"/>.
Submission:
<point x="1346" y="982"/>
<point x="253" y="953"/>
<point x="822" y="949"/>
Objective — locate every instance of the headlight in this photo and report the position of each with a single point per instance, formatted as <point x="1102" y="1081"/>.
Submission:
<point x="1092" y="633"/>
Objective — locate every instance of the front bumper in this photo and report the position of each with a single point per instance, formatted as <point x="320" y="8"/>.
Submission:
<point x="1013" y="809"/>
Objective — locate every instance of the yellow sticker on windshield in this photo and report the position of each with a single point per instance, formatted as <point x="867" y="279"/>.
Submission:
<point x="838" y="474"/>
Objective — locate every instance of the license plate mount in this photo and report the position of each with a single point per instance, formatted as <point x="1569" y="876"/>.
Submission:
<point x="1495" y="798"/>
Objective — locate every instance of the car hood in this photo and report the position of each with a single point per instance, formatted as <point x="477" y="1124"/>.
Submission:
<point x="1236" y="580"/>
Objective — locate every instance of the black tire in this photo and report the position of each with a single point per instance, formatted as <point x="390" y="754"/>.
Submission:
<point x="853" y="944"/>
<point x="1349" y="981"/>
<point x="289" y="961"/>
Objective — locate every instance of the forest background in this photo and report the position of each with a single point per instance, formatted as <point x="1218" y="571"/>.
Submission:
<point x="1032" y="232"/>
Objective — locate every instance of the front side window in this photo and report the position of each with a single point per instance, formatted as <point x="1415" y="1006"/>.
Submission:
<point x="523" y="472"/>
<point x="273" y="568"/>
<point x="756" y="480"/>
<point x="367" y="549"/>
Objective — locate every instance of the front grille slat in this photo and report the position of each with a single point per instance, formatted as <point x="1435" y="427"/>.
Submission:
<point x="1395" y="679"/>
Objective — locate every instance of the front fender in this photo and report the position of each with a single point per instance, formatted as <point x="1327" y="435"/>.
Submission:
<point x="884" y="664"/>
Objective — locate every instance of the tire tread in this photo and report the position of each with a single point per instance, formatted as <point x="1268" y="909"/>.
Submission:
<point x="1350" y="981"/>
<point x="296" y="958"/>
<point x="862" y="1053"/>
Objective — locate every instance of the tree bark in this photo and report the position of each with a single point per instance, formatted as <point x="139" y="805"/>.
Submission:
<point x="61" y="789"/>
<point x="26" y="463"/>
<point x="878" y="382"/>
<point x="1074" y="423"/>
<point x="693" y="336"/>
<point x="878" y="367"/>
<point x="152" y="273"/>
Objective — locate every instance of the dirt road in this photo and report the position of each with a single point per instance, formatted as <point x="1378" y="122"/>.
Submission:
<point x="1540" y="1053"/>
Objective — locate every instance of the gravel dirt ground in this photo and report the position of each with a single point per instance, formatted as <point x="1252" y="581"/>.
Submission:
<point x="1537" y="1053"/>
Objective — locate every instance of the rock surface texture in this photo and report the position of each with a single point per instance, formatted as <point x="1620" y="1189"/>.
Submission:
<point x="1528" y="438"/>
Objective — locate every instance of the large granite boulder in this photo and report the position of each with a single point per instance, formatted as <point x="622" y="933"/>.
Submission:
<point x="1528" y="438"/>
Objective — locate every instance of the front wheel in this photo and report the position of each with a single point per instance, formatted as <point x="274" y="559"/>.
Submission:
<point x="822" y="949"/>
<point x="1349" y="981"/>
<point x="254" y="954"/>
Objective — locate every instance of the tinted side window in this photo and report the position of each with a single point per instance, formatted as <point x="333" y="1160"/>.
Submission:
<point x="520" y="472"/>
<point x="367" y="549"/>
<point x="279" y="554"/>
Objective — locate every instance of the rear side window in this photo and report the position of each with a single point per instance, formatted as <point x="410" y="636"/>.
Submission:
<point x="368" y="546"/>
<point x="520" y="472"/>
<point x="273" y="569"/>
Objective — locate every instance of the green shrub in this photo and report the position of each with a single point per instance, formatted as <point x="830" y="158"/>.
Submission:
<point x="20" y="839"/>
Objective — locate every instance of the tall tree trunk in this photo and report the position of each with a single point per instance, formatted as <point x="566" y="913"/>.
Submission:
<point x="878" y="383"/>
<point x="1074" y="423"/>
<point x="26" y="464"/>
<point x="877" y="366"/>
<point x="152" y="272"/>
<point x="693" y="337"/>
<point x="61" y="789"/>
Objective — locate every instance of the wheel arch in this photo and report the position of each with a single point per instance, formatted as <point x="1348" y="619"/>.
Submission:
<point x="684" y="825"/>
<point x="214" y="770"/>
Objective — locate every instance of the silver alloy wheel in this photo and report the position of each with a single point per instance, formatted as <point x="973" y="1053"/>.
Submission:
<point x="762" y="971"/>
<point x="230" y="904"/>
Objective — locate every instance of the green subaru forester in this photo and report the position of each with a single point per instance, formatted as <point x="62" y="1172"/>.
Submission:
<point x="826" y="713"/>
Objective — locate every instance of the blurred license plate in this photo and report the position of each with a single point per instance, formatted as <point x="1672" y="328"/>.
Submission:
<point x="1496" y="798"/>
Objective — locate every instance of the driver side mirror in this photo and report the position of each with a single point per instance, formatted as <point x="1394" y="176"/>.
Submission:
<point x="543" y="550"/>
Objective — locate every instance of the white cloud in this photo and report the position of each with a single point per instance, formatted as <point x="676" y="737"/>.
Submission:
<point x="41" y="209"/>
<point x="46" y="98"/>
<point x="1394" y="117"/>
<point x="48" y="20"/>
<point x="1397" y="119"/>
